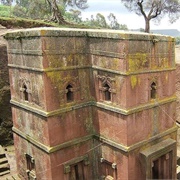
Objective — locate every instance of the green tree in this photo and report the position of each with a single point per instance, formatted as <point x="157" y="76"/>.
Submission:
<point x="23" y="3"/>
<point x="6" y="2"/>
<point x="113" y="21"/>
<point x="31" y="9"/>
<point x="74" y="15"/>
<point x="90" y="22"/>
<point x="155" y="9"/>
<point x="177" y="40"/>
<point x="46" y="8"/>
<point x="100" y="21"/>
<point x="57" y="15"/>
<point x="123" y="27"/>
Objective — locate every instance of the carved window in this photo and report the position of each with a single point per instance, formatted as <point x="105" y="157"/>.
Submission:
<point x="158" y="160"/>
<point x="107" y="93"/>
<point x="25" y="90"/>
<point x="25" y="93"/>
<point x="162" y="167"/>
<point x="106" y="88"/>
<point x="109" y="170"/>
<point x="153" y="90"/>
<point x="77" y="171"/>
<point x="30" y="167"/>
<point x="69" y="93"/>
<point x="76" y="168"/>
<point x="30" y="162"/>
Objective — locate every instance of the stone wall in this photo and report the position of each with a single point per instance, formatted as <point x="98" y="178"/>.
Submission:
<point x="178" y="91"/>
<point x="5" y="109"/>
<point x="177" y="57"/>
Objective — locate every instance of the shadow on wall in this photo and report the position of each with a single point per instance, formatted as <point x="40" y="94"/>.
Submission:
<point x="6" y="137"/>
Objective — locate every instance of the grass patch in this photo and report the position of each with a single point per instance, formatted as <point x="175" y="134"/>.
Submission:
<point x="29" y="23"/>
<point x="23" y="23"/>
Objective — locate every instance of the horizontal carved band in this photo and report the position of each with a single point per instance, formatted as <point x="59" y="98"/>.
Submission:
<point x="95" y="104"/>
<point x="73" y="142"/>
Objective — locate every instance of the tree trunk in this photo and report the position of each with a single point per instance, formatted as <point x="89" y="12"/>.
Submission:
<point x="147" y="26"/>
<point x="56" y="13"/>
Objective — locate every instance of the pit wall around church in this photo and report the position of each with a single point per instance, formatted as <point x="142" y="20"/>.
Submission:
<point x="178" y="100"/>
<point x="6" y="137"/>
<point x="178" y="92"/>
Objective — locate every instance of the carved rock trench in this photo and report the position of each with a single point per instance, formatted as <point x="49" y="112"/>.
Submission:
<point x="5" y="109"/>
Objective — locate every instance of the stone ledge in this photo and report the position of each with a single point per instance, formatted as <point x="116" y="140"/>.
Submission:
<point x="94" y="33"/>
<point x="96" y="104"/>
<point x="137" y="108"/>
<point x="86" y="67"/>
<point x="51" y="149"/>
<point x="65" y="68"/>
<point x="136" y="145"/>
<point x="51" y="113"/>
<point x="132" y="72"/>
<point x="151" y="151"/>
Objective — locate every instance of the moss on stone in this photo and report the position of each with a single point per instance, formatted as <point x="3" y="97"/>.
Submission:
<point x="134" y="81"/>
<point x="137" y="61"/>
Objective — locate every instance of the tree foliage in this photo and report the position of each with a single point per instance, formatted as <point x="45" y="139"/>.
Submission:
<point x="57" y="14"/>
<point x="154" y="9"/>
<point x="31" y="9"/>
<point x="73" y="15"/>
<point x="51" y="9"/>
<point x="6" y="2"/>
<point x="5" y="11"/>
<point x="101" y="20"/>
<point x="113" y="21"/>
<point x="81" y="4"/>
<point x="178" y="40"/>
<point x="55" y="10"/>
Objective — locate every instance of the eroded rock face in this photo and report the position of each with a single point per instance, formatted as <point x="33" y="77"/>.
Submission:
<point x="178" y="91"/>
<point x="5" y="109"/>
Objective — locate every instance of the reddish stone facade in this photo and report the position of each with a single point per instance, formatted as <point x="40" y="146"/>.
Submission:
<point x="92" y="104"/>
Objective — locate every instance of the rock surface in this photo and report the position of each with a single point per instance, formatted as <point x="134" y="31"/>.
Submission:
<point x="5" y="109"/>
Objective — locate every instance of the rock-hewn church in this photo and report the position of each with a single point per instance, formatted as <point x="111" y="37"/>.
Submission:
<point x="93" y="104"/>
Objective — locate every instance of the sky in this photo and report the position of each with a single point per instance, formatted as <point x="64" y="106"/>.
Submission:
<point x="124" y="16"/>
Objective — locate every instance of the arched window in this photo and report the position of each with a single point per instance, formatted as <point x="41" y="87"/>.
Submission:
<point x="69" y="93"/>
<point x="25" y="93"/>
<point x="107" y="93"/>
<point x="153" y="90"/>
